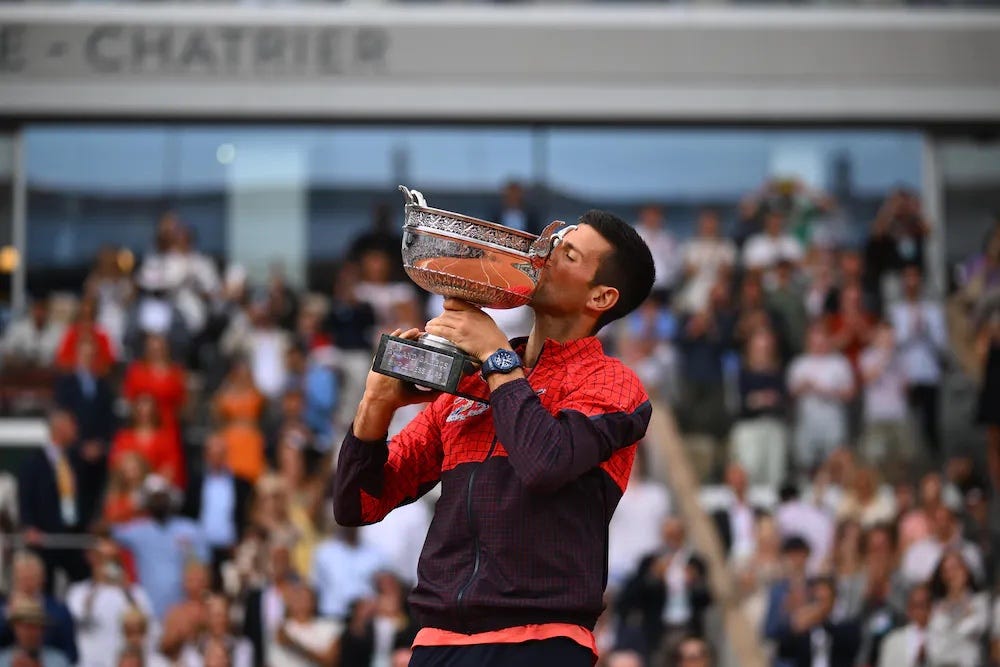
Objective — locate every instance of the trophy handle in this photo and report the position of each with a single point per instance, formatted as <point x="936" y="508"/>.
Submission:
<point x="549" y="239"/>
<point x="413" y="197"/>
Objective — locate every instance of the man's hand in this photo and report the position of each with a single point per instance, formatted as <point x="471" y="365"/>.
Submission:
<point x="469" y="328"/>
<point x="383" y="396"/>
<point x="392" y="391"/>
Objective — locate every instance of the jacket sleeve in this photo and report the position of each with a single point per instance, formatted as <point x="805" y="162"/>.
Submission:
<point x="600" y="418"/>
<point x="375" y="477"/>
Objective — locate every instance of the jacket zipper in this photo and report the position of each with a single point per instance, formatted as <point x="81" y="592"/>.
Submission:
<point x="469" y="514"/>
<point x="468" y="509"/>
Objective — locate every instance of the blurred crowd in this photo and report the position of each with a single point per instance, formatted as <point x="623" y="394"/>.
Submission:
<point x="178" y="513"/>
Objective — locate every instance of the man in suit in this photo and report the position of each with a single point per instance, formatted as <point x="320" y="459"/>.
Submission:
<point x="265" y="606"/>
<point x="736" y="523"/>
<point x="218" y="501"/>
<point x="907" y="646"/>
<point x="87" y="396"/>
<point x="513" y="212"/>
<point x="812" y="637"/>
<point x="49" y="496"/>
<point x="668" y="595"/>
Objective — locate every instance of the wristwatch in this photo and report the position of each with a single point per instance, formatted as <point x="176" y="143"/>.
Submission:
<point x="502" y="361"/>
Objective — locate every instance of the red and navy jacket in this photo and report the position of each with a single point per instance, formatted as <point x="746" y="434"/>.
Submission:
<point x="529" y="482"/>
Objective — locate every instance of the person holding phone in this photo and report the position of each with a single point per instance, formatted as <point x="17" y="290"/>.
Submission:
<point x="98" y="604"/>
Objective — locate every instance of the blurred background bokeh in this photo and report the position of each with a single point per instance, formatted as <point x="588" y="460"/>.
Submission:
<point x="199" y="244"/>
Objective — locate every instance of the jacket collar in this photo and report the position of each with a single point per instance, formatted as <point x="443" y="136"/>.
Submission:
<point x="554" y="352"/>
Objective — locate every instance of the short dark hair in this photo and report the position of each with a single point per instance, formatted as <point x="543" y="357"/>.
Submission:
<point x="628" y="267"/>
<point x="789" y="491"/>
<point x="795" y="543"/>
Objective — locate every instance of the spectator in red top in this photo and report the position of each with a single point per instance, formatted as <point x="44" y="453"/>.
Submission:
<point x="851" y="328"/>
<point x="157" y="376"/>
<point x="148" y="438"/>
<point x="124" y="499"/>
<point x="86" y="326"/>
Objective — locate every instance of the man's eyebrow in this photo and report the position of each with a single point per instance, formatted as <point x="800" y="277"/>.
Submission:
<point x="570" y="246"/>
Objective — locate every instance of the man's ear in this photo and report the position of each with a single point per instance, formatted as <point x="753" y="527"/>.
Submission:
<point x="602" y="298"/>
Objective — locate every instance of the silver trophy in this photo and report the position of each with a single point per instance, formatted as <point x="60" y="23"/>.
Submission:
<point x="455" y="255"/>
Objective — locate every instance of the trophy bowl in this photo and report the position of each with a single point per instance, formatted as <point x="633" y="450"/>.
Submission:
<point x="455" y="255"/>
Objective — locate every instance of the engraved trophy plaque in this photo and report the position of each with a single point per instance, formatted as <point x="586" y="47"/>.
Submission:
<point x="455" y="255"/>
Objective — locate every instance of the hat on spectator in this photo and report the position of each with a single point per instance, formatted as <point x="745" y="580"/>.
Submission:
<point x="26" y="610"/>
<point x="158" y="484"/>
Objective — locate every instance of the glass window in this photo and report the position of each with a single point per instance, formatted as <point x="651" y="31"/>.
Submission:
<point x="301" y="193"/>
<point x="621" y="169"/>
<point x="970" y="176"/>
<point x="90" y="185"/>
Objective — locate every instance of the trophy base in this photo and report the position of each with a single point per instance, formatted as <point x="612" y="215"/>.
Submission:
<point x="428" y="363"/>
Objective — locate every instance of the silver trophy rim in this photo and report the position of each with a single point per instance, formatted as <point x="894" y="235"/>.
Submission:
<point x="433" y="231"/>
<point x="469" y="218"/>
<point x="411" y="195"/>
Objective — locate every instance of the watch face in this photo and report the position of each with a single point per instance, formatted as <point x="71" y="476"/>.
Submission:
<point x="504" y="360"/>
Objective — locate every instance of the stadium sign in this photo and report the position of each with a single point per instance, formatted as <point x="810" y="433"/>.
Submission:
<point x="605" y="63"/>
<point x="227" y="51"/>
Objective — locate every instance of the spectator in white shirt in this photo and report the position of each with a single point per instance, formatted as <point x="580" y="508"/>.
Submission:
<point x="257" y="337"/>
<point x="305" y="640"/>
<point x="960" y="617"/>
<point x="110" y="282"/>
<point x="394" y="303"/>
<point x="706" y="257"/>
<point x="907" y="646"/>
<point x="400" y="537"/>
<point x="763" y="251"/>
<point x="736" y="523"/>
<point x="922" y="341"/>
<point x="200" y="281"/>
<point x="343" y="571"/>
<point x="923" y="556"/>
<point x="667" y="259"/>
<point x="886" y="435"/>
<point x="822" y="383"/>
<point x="33" y="339"/>
<point x="99" y="603"/>
<point x="867" y="503"/>
<point x="798" y="518"/>
<point x="635" y="526"/>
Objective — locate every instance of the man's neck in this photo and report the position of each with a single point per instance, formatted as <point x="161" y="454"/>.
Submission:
<point x="559" y="329"/>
